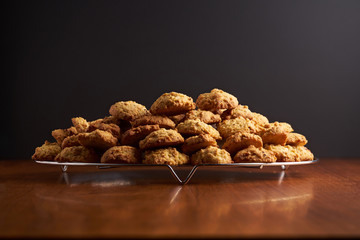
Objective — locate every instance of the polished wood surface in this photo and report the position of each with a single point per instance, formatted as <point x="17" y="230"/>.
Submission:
<point x="318" y="200"/>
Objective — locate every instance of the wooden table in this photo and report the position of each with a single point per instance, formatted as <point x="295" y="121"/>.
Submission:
<point x="318" y="200"/>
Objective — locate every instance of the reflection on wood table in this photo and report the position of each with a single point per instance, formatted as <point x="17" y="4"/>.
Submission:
<point x="317" y="200"/>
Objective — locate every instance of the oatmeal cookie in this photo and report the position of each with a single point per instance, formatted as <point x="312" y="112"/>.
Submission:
<point x="304" y="153"/>
<point x="211" y="155"/>
<point x="172" y="103"/>
<point x="121" y="154"/>
<point x="195" y="143"/>
<point x="169" y="156"/>
<point x="240" y="140"/>
<point x="71" y="141"/>
<point x="107" y="127"/>
<point x="161" y="138"/>
<point x="254" y="154"/>
<point x="134" y="135"/>
<point x="204" y="116"/>
<point x="61" y="134"/>
<point x="238" y="111"/>
<point x="284" y="153"/>
<point x="216" y="100"/>
<point x="296" y="139"/>
<point x="46" y="152"/>
<point x="231" y="126"/>
<point x="80" y="124"/>
<point x="128" y="110"/>
<point x="98" y="139"/>
<point x="111" y="119"/>
<point x="196" y="127"/>
<point x="77" y="154"/>
<point x="178" y="118"/>
<point x="276" y="133"/>
<point x="162" y="121"/>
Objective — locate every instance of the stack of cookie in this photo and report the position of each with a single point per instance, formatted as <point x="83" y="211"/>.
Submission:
<point x="176" y="131"/>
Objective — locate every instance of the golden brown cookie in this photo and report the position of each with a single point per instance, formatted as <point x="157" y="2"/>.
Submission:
<point x="162" y="121"/>
<point x="196" y="127"/>
<point x="244" y="112"/>
<point x="259" y="119"/>
<point x="108" y="127"/>
<point x="134" y="135"/>
<point x="178" y="118"/>
<point x="211" y="155"/>
<point x="80" y="124"/>
<point x="172" y="103"/>
<point x="238" y="111"/>
<point x="304" y="153"/>
<point x="169" y="156"/>
<point x="284" y="153"/>
<point x="195" y="143"/>
<point x="254" y="154"/>
<point x="296" y="139"/>
<point x="111" y="119"/>
<point x="276" y="133"/>
<point x="204" y="116"/>
<point x="46" y="152"/>
<point x="128" y="110"/>
<point x="121" y="154"/>
<point x="231" y="126"/>
<point x="161" y="138"/>
<point x="216" y="100"/>
<point x="61" y="134"/>
<point x="98" y="139"/>
<point x="240" y="140"/>
<point x="77" y="154"/>
<point x="71" y="141"/>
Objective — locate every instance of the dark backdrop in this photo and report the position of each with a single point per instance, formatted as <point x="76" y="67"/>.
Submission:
<point x="293" y="61"/>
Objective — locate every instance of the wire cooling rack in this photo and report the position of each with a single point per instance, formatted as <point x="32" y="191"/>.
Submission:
<point x="284" y="165"/>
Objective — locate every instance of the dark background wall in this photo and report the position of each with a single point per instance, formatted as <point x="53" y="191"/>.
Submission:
<point x="293" y="61"/>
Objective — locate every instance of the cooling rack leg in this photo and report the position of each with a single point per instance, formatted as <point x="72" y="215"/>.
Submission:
<point x="64" y="168"/>
<point x="283" y="167"/>
<point x="187" y="179"/>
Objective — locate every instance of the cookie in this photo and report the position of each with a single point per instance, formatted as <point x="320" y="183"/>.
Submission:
<point x="169" y="156"/>
<point x="304" y="153"/>
<point x="46" y="152"/>
<point x="61" y="134"/>
<point x="161" y="138"/>
<point x="121" y="154"/>
<point x="296" y="139"/>
<point x="195" y="143"/>
<point x="276" y="133"/>
<point x="128" y="110"/>
<point x="231" y="126"/>
<point x="162" y="121"/>
<point x="254" y="154"/>
<point x="71" y="141"/>
<point x="238" y="111"/>
<point x="239" y="141"/>
<point x="172" y="103"/>
<point x="196" y="127"/>
<point x="284" y="153"/>
<point x="134" y="135"/>
<point x="108" y="127"/>
<point x="216" y="100"/>
<point x="80" y="124"/>
<point x="98" y="139"/>
<point x="178" y="118"/>
<point x="77" y="154"/>
<point x="204" y="116"/>
<point x="211" y="155"/>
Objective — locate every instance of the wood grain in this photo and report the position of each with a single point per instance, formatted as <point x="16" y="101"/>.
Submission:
<point x="319" y="200"/>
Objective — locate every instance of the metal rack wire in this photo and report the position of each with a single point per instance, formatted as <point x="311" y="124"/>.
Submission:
<point x="284" y="165"/>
